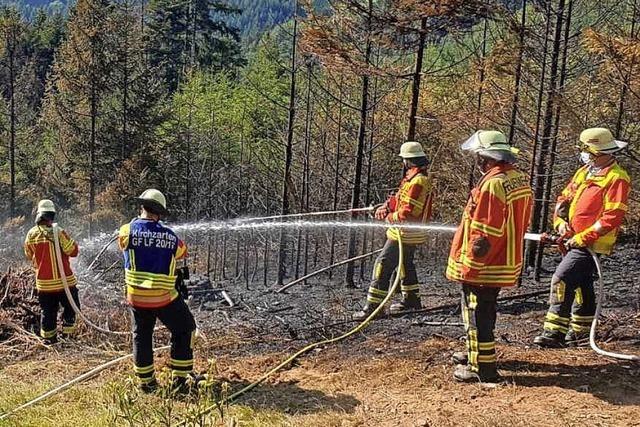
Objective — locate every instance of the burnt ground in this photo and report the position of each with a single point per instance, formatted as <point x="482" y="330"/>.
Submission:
<point x="396" y="371"/>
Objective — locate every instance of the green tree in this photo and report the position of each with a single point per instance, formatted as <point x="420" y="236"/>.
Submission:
<point x="186" y="35"/>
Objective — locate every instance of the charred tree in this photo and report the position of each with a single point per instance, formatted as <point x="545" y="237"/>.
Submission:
<point x="417" y="76"/>
<point x="282" y="254"/>
<point x="547" y="129"/>
<point x="362" y="133"/>
<point x="518" y="73"/>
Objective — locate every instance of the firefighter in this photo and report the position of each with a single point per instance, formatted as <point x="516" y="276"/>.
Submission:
<point x="410" y="205"/>
<point x="39" y="249"/>
<point x="486" y="253"/>
<point x="150" y="253"/>
<point x="589" y="212"/>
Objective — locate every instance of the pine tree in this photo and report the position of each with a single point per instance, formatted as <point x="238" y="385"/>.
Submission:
<point x="186" y="35"/>
<point x="12" y="32"/>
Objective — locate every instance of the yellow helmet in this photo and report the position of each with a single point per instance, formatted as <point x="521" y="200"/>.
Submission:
<point x="411" y="150"/>
<point x="155" y="200"/>
<point x="600" y="141"/>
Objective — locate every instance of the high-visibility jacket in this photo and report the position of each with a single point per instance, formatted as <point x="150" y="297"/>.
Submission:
<point x="411" y="204"/>
<point x="498" y="214"/>
<point x="40" y="250"/>
<point x="150" y="252"/>
<point x="597" y="204"/>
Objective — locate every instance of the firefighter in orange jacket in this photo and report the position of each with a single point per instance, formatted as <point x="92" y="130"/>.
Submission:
<point x="411" y="204"/>
<point x="590" y="211"/>
<point x="39" y="249"/>
<point x="150" y="253"/>
<point x="486" y="254"/>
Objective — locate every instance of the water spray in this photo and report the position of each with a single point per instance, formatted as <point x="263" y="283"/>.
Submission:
<point x="67" y="291"/>
<point x="266" y="223"/>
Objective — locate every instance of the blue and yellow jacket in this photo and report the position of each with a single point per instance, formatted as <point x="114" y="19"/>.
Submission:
<point x="150" y="252"/>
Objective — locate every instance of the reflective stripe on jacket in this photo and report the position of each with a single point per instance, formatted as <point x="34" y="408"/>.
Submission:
<point x="150" y="252"/>
<point x="596" y="206"/>
<point x="40" y="250"/>
<point x="496" y="217"/>
<point x="411" y="205"/>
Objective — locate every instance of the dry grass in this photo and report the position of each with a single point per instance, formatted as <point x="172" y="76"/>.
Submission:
<point x="376" y="385"/>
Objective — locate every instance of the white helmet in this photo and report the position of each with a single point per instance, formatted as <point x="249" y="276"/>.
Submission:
<point x="155" y="200"/>
<point x="411" y="150"/>
<point x="44" y="206"/>
<point x="491" y="144"/>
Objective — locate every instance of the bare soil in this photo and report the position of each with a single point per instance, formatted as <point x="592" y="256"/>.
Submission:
<point x="397" y="371"/>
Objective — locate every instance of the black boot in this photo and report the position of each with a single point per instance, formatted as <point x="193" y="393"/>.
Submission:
<point x="365" y="312"/>
<point x="149" y="386"/>
<point x="485" y="374"/>
<point x="187" y="385"/>
<point x="549" y="339"/>
<point x="460" y="358"/>
<point x="409" y="302"/>
<point x="576" y="339"/>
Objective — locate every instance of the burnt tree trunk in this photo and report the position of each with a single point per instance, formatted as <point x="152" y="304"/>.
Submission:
<point x="357" y="175"/>
<point x="282" y="254"/>
<point x="554" y="143"/>
<point x="518" y="74"/>
<point x="417" y="77"/>
<point x="547" y="129"/>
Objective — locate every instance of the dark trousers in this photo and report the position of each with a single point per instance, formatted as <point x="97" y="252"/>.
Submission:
<point x="179" y="321"/>
<point x="384" y="267"/>
<point x="479" y="305"/>
<point x="572" y="302"/>
<point x="50" y="302"/>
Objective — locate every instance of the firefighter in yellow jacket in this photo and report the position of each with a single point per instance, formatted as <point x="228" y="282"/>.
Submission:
<point x="150" y="253"/>
<point x="486" y="254"/>
<point x="40" y="250"/>
<point x="410" y="205"/>
<point x="589" y="211"/>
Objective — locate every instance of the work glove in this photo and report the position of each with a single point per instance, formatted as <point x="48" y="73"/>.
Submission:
<point x="480" y="247"/>
<point x="564" y="229"/>
<point x="562" y="210"/>
<point x="381" y="213"/>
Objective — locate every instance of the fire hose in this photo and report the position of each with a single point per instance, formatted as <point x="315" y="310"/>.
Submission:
<point x="234" y="396"/>
<point x="67" y="291"/>
<point x="95" y="371"/>
<point x="559" y="242"/>
<point x="310" y="347"/>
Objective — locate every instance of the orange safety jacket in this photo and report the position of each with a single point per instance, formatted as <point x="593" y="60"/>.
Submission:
<point x="40" y="250"/>
<point x="412" y="204"/>
<point x="496" y="216"/>
<point x="597" y="204"/>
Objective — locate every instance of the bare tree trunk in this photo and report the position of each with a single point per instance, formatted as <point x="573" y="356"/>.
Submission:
<point x="92" y="157"/>
<point x="417" y="76"/>
<point x="481" y="78"/>
<point x="552" y="151"/>
<point x="531" y="247"/>
<point x="336" y="180"/>
<point x="627" y="79"/>
<point x="11" y="48"/>
<point x="547" y="128"/>
<point x="367" y="195"/>
<point x="357" y="176"/>
<point x="518" y="74"/>
<point x="288" y="151"/>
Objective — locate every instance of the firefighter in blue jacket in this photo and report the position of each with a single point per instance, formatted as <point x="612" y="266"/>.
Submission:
<point x="151" y="251"/>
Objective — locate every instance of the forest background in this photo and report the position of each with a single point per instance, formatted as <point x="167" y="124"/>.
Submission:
<point x="246" y="108"/>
